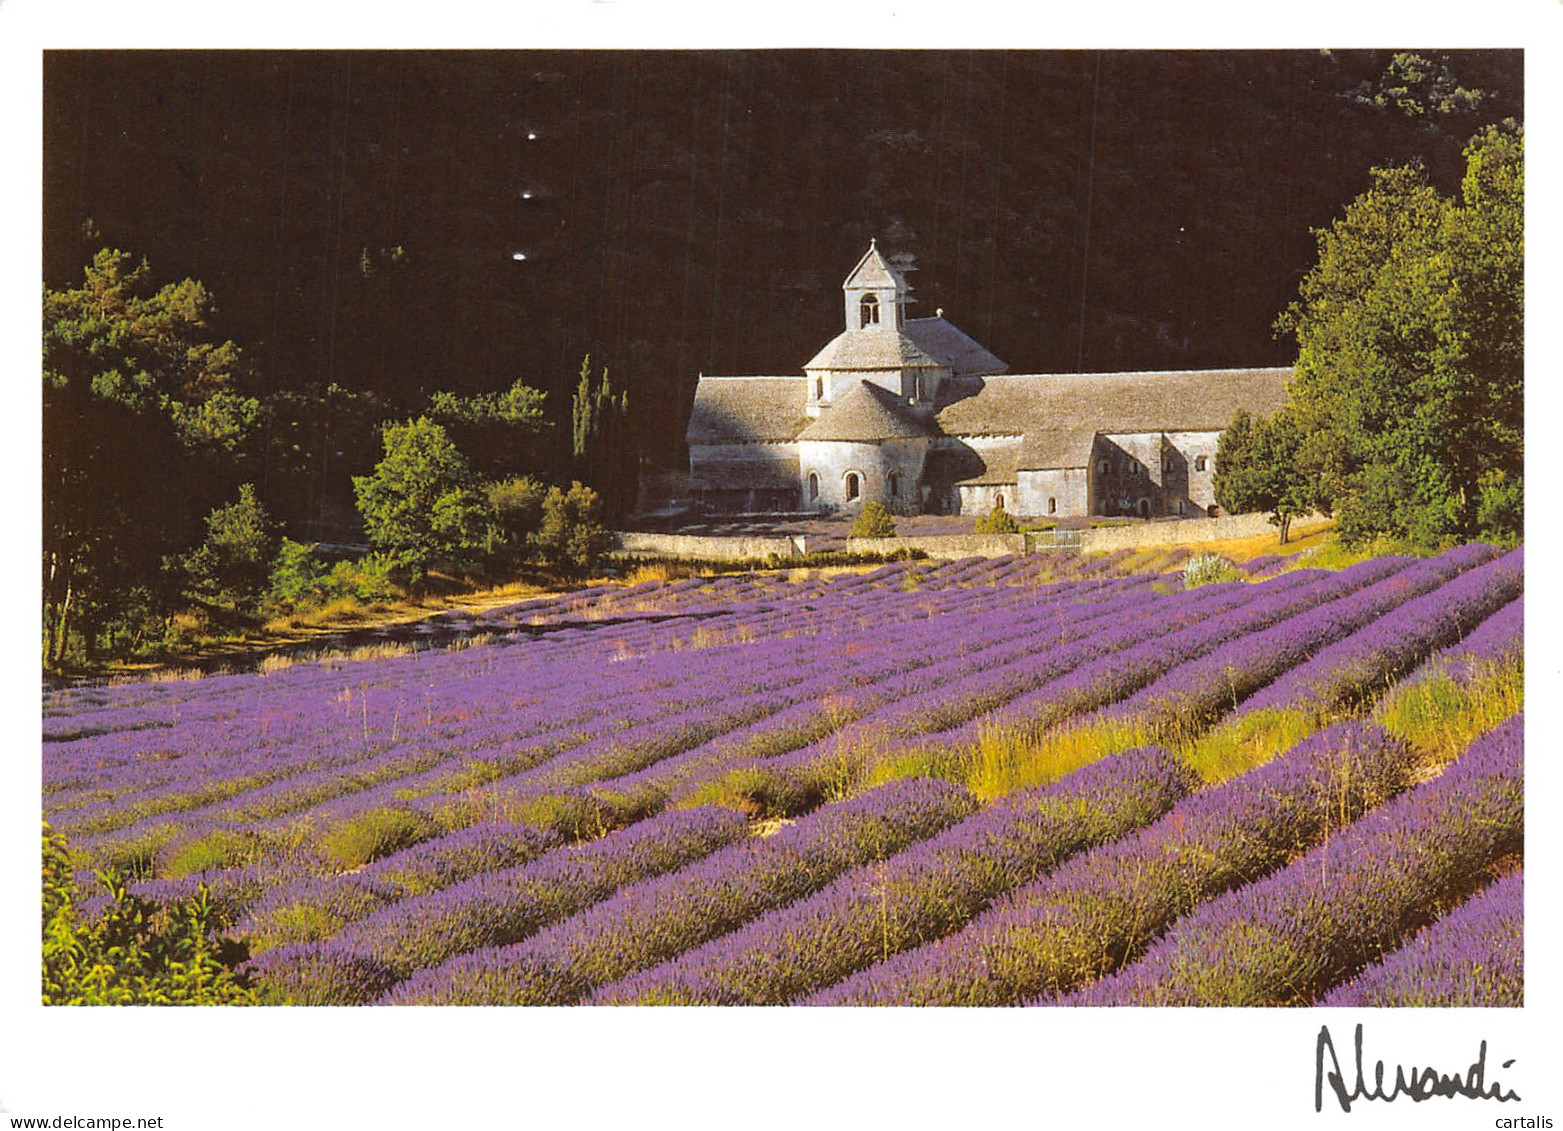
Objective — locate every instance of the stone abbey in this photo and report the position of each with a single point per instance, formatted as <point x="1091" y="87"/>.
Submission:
<point x="915" y="414"/>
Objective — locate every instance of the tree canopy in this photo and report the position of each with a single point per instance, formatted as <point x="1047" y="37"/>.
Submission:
<point x="1408" y="397"/>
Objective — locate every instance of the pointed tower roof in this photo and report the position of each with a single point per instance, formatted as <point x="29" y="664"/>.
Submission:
<point x="872" y="271"/>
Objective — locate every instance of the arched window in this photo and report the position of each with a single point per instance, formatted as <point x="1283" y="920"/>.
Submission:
<point x="854" y="485"/>
<point x="1167" y="463"/>
<point x="1199" y="463"/>
<point x="1052" y="506"/>
<point x="868" y="311"/>
<point x="813" y="486"/>
<point x="819" y="388"/>
<point x="998" y="501"/>
<point x="1106" y="467"/>
<point x="895" y="484"/>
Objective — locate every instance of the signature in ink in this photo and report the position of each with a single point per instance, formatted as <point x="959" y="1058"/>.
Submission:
<point x="1417" y="1084"/>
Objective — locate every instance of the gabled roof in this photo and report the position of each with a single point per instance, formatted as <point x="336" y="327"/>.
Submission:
<point x="872" y="271"/>
<point x="879" y="348"/>
<point x="735" y="410"/>
<point x="865" y="413"/>
<point x="943" y="340"/>
<point x="1197" y="400"/>
<point x="1049" y="448"/>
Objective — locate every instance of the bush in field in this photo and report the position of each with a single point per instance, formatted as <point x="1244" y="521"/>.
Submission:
<point x="572" y="536"/>
<point x="873" y="521"/>
<point x="1208" y="569"/>
<point x="515" y="508"/>
<point x="299" y="579"/>
<point x="138" y="952"/>
<point x="996" y="521"/>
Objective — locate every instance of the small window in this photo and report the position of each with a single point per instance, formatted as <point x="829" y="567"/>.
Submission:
<point x="1106" y="467"/>
<point x="868" y="311"/>
<point x="998" y="501"/>
<point x="813" y="486"/>
<point x="854" y="487"/>
<point x="819" y="388"/>
<point x="895" y="484"/>
<point x="1052" y="506"/>
<point x="1145" y="508"/>
<point x="1167" y="464"/>
<point x="1199" y="463"/>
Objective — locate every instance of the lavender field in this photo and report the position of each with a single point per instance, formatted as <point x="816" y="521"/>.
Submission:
<point x="1041" y="780"/>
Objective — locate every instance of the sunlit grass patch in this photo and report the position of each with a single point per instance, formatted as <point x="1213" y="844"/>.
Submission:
<point x="1006" y="759"/>
<point x="368" y="836"/>
<point x="1247" y="742"/>
<point x="1438" y="715"/>
<point x="212" y="852"/>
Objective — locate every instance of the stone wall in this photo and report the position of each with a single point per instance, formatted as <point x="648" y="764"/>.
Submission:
<point x="697" y="547"/>
<point x="1188" y="531"/>
<point x="944" y="546"/>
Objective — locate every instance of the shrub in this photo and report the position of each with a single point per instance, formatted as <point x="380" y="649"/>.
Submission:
<point x="873" y="521"/>
<point x="996" y="521"/>
<point x="515" y="512"/>
<point x="572" y="536"/>
<point x="138" y="952"/>
<point x="1209" y="569"/>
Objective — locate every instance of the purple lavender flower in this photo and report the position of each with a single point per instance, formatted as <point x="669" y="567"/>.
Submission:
<point x="920" y="894"/>
<point x="1284" y="939"/>
<point x="498" y="908"/>
<point x="657" y="918"/>
<point x="1472" y="957"/>
<point x="1104" y="906"/>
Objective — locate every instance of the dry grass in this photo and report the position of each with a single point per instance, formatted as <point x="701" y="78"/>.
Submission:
<point x="1305" y="535"/>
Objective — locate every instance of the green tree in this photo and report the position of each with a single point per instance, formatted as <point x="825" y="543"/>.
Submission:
<point x="231" y="568"/>
<point x="1409" y="386"/>
<point x="603" y="449"/>
<point x="497" y="432"/>
<point x="421" y="502"/>
<point x="572" y="536"/>
<point x="873" y="521"/>
<point x="144" y="425"/>
<point x="1258" y="469"/>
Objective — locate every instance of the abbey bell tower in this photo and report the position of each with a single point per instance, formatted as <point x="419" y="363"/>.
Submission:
<point x="876" y="294"/>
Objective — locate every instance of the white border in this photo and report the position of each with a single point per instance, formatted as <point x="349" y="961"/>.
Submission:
<point x="753" y="1068"/>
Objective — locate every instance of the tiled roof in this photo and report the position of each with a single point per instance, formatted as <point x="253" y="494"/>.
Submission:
<point x="941" y="339"/>
<point x="734" y="410"/>
<point x="1056" y="447"/>
<point x="1198" y="400"/>
<point x="864" y="413"/>
<point x="877" y="348"/>
<point x="746" y="474"/>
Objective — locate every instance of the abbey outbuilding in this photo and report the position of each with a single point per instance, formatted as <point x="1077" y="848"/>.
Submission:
<point x="915" y="414"/>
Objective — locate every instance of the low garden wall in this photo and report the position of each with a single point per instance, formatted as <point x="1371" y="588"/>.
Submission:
<point x="1186" y="530"/>
<point x="944" y="545"/>
<point x="709" y="548"/>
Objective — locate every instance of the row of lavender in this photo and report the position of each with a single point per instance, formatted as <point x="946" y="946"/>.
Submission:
<point x="379" y="921"/>
<point x="566" y="962"/>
